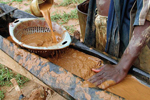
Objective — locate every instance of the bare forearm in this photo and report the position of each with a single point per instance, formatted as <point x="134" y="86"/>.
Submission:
<point x="139" y="39"/>
<point x="108" y="75"/>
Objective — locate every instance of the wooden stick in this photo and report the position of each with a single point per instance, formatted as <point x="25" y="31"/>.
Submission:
<point x="17" y="88"/>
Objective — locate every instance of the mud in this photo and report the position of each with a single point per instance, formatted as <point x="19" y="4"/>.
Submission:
<point x="41" y="39"/>
<point x="87" y="96"/>
<point x="77" y="62"/>
<point x="45" y="10"/>
<point x="44" y="70"/>
<point x="63" y="80"/>
<point x="106" y="96"/>
<point x="81" y="64"/>
<point x="131" y="89"/>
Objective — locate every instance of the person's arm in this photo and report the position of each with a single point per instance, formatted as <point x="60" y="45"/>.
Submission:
<point x="109" y="75"/>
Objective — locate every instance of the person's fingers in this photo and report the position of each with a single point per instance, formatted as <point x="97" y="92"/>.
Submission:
<point x="97" y="69"/>
<point x="100" y="74"/>
<point x="96" y="77"/>
<point x="107" y="84"/>
<point x="97" y="83"/>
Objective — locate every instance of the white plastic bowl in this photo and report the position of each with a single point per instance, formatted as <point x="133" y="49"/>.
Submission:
<point x="32" y="25"/>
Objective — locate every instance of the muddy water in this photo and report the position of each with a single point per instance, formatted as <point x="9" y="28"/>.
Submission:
<point x="81" y="64"/>
<point x="77" y="62"/>
<point x="131" y="89"/>
<point x="40" y="39"/>
<point x="43" y="39"/>
<point x="45" y="10"/>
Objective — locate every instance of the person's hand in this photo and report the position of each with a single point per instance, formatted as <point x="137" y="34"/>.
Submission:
<point x="107" y="75"/>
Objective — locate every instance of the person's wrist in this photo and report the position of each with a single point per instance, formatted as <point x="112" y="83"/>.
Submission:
<point x="124" y="66"/>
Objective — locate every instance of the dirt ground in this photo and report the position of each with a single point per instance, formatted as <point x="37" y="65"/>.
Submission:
<point x="27" y="89"/>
